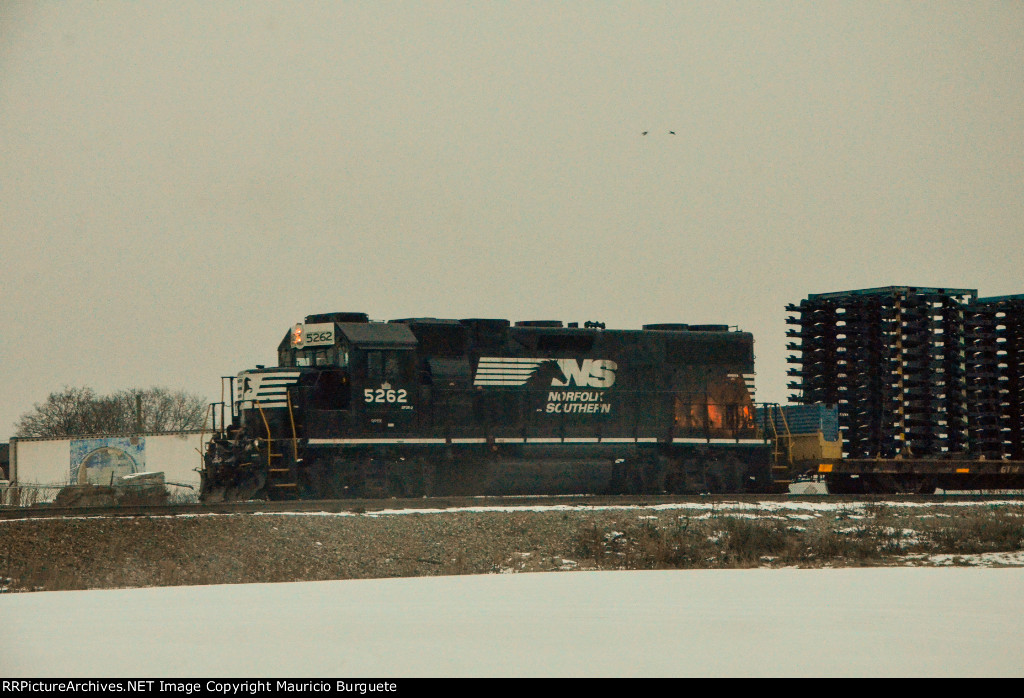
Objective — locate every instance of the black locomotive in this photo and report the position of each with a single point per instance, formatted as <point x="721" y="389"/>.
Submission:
<point x="426" y="406"/>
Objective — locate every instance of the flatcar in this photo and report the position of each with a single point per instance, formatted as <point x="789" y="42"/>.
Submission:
<point x="427" y="407"/>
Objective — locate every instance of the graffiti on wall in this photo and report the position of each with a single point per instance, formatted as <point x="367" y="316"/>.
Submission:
<point x="102" y="460"/>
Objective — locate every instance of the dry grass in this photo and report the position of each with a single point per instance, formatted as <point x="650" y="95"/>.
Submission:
<point x="875" y="535"/>
<point x="92" y="553"/>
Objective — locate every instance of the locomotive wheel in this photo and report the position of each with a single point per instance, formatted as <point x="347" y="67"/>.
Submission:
<point x="844" y="484"/>
<point x="723" y="477"/>
<point x="914" y="484"/>
<point x="627" y="477"/>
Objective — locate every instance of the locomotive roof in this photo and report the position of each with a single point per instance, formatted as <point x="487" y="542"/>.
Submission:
<point x="377" y="334"/>
<point x="426" y="321"/>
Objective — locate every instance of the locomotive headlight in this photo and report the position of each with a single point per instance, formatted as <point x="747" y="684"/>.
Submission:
<point x="297" y="335"/>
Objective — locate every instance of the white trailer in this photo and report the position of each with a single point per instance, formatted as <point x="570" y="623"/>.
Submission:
<point x="48" y="464"/>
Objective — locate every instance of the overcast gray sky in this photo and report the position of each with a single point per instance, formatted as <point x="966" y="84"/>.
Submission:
<point x="182" y="181"/>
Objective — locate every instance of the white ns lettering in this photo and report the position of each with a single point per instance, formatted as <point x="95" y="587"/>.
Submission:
<point x="594" y="373"/>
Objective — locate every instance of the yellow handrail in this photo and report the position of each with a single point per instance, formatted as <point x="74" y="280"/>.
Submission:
<point x="295" y="436"/>
<point x="267" y="425"/>
<point x="789" y="436"/>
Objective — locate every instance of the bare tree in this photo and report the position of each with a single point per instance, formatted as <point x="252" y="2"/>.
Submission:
<point x="160" y="409"/>
<point x="79" y="411"/>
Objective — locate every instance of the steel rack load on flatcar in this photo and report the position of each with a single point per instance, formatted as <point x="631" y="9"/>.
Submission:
<point x="425" y="407"/>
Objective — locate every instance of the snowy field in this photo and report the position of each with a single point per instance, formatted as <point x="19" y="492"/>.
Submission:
<point x="832" y="622"/>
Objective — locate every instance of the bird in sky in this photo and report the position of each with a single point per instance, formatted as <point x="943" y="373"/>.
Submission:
<point x="672" y="133"/>
<point x="644" y="133"/>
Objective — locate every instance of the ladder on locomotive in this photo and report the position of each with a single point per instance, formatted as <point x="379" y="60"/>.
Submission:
<point x="282" y="479"/>
<point x="782" y="446"/>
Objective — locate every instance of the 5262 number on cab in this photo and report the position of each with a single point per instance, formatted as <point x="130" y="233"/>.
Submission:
<point x="385" y="395"/>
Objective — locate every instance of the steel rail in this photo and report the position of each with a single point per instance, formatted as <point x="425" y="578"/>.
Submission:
<point x="369" y="506"/>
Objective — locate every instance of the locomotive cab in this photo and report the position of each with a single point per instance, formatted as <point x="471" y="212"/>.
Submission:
<point x="367" y="369"/>
<point x="382" y="366"/>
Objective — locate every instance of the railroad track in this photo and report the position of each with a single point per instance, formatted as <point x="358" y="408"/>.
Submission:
<point x="362" y="506"/>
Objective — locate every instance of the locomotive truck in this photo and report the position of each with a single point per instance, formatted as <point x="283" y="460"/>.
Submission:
<point x="427" y="406"/>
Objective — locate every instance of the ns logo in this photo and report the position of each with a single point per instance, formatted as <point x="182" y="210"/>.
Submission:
<point x="538" y="374"/>
<point x="590" y="373"/>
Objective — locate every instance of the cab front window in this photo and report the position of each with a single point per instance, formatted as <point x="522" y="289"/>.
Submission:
<point x="327" y="356"/>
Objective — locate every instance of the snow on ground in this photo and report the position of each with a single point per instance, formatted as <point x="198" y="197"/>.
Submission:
<point x="1011" y="559"/>
<point x="712" y="506"/>
<point x="708" y="508"/>
<point x="833" y="622"/>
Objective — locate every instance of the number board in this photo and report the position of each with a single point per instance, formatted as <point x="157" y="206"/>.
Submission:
<point x="314" y="335"/>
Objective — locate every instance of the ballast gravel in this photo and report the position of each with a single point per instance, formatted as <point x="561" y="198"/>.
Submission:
<point x="92" y="553"/>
